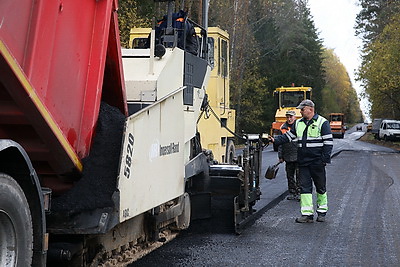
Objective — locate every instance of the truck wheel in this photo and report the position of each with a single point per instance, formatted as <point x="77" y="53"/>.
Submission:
<point x="16" y="232"/>
<point x="230" y="152"/>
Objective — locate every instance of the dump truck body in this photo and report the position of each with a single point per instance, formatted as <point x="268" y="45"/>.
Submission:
<point x="56" y="67"/>
<point x="54" y="102"/>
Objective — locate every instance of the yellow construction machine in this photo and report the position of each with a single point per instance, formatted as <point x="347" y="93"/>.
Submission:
<point x="287" y="98"/>
<point x="221" y="177"/>
<point x="217" y="122"/>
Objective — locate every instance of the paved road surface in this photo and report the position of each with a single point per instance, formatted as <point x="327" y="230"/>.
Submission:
<point x="362" y="227"/>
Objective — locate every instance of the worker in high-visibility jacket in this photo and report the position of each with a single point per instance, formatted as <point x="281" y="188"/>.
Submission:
<point x="315" y="142"/>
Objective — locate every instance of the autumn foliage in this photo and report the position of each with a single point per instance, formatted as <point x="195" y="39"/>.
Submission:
<point x="273" y="43"/>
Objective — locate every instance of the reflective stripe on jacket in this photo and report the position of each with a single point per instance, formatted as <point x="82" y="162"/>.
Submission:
<point x="315" y="147"/>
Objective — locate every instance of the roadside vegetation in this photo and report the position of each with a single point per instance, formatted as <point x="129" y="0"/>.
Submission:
<point x="273" y="43"/>
<point x="378" y="26"/>
<point x="369" y="137"/>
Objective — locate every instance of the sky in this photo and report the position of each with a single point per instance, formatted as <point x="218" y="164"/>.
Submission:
<point x="335" y="20"/>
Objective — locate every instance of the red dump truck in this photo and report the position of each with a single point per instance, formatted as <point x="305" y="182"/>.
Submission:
<point x="58" y="61"/>
<point x="80" y="181"/>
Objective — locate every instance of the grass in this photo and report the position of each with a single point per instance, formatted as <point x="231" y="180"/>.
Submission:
<point x="369" y="137"/>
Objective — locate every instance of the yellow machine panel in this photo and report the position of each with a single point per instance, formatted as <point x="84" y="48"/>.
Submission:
<point x="214" y="135"/>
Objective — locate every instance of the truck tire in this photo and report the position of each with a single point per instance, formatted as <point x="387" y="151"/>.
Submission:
<point x="230" y="152"/>
<point x="16" y="230"/>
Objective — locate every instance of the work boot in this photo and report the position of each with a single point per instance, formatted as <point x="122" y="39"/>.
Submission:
<point x="297" y="197"/>
<point x="305" y="219"/>
<point x="321" y="217"/>
<point x="291" y="197"/>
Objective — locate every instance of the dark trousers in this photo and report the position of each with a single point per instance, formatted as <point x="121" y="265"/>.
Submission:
<point x="292" y="175"/>
<point x="310" y="174"/>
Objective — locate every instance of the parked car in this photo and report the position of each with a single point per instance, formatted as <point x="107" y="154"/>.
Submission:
<point x="389" y="130"/>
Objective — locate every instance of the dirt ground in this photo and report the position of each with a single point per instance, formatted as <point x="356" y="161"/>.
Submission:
<point x="368" y="137"/>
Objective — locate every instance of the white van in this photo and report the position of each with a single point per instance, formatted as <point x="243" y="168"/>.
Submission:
<point x="389" y="130"/>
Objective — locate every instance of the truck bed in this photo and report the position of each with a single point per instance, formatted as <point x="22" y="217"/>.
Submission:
<point x="56" y="68"/>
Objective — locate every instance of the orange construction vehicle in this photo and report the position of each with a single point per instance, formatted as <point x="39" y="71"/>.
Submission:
<point x="336" y="121"/>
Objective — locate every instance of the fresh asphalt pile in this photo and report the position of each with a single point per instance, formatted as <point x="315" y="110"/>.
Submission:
<point x="100" y="168"/>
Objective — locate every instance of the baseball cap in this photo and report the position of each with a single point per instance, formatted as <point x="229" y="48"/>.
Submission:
<point x="305" y="103"/>
<point x="291" y="113"/>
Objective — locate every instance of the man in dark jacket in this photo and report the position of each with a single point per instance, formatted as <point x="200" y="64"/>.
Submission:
<point x="315" y="143"/>
<point x="287" y="152"/>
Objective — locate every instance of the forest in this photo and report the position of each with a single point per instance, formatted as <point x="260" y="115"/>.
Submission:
<point x="378" y="24"/>
<point x="273" y="43"/>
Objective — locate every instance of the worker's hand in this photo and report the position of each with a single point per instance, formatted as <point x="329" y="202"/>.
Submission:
<point x="281" y="160"/>
<point x="270" y="138"/>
